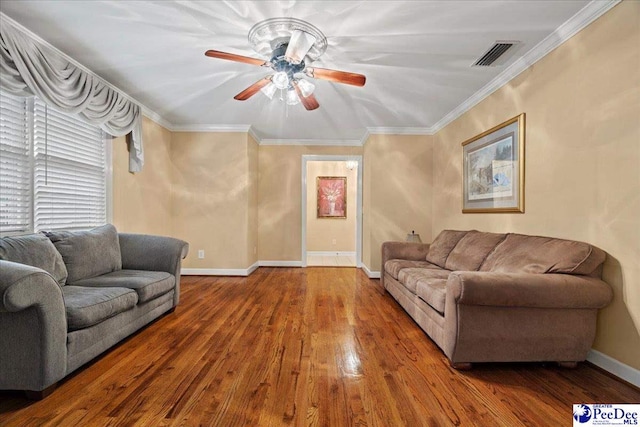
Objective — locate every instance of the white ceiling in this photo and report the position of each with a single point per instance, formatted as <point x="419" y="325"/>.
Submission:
<point x="416" y="56"/>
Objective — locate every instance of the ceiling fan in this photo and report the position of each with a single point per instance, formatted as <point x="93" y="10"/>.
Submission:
<point x="291" y="45"/>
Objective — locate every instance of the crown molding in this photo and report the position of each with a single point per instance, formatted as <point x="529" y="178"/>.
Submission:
<point x="211" y="128"/>
<point x="254" y="135"/>
<point x="400" y="130"/>
<point x="564" y="32"/>
<point x="326" y="142"/>
<point x="157" y="118"/>
<point x="144" y="109"/>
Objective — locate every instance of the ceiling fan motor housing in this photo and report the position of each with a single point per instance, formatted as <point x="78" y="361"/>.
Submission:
<point x="280" y="64"/>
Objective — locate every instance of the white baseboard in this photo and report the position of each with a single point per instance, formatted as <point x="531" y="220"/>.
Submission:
<point x="617" y="368"/>
<point x="329" y="253"/>
<point x="280" y="263"/>
<point x="370" y="274"/>
<point x="219" y="271"/>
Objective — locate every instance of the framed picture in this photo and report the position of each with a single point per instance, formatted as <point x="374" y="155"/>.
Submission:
<point x="493" y="169"/>
<point x="332" y="196"/>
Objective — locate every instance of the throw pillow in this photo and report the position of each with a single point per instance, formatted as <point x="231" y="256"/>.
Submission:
<point x="34" y="250"/>
<point x="88" y="253"/>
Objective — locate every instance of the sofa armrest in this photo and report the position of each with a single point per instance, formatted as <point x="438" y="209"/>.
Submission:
<point x="153" y="253"/>
<point x="528" y="290"/>
<point x="33" y="328"/>
<point x="404" y="250"/>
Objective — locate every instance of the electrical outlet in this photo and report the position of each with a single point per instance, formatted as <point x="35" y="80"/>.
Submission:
<point x="255" y="250"/>
<point x="201" y="254"/>
<point x="333" y="242"/>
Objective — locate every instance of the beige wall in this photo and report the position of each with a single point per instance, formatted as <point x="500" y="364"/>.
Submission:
<point x="142" y="201"/>
<point x="214" y="197"/>
<point x="397" y="191"/>
<point x="252" y="211"/>
<point x="321" y="232"/>
<point x="582" y="103"/>
<point x="280" y="198"/>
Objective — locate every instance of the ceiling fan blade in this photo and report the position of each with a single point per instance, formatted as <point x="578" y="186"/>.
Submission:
<point x="236" y="58"/>
<point x="309" y="102"/>
<point x="299" y="44"/>
<point x="336" y="76"/>
<point x="253" y="89"/>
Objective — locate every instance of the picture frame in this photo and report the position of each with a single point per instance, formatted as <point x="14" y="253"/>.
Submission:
<point x="331" y="194"/>
<point x="493" y="169"/>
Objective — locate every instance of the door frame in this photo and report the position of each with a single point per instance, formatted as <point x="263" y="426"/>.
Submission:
<point x="332" y="158"/>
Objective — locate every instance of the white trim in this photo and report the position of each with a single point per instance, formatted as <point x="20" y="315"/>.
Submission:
<point x="326" y="142"/>
<point x="330" y="253"/>
<point x="564" y="32"/>
<point x="157" y="118"/>
<point x="108" y="146"/>
<point x="280" y="263"/>
<point x="615" y="367"/>
<point x="210" y="128"/>
<point x="400" y="130"/>
<point x="364" y="138"/>
<point x="370" y="274"/>
<point x="145" y="110"/>
<point x="303" y="175"/>
<point x="255" y="136"/>
<point x="219" y="271"/>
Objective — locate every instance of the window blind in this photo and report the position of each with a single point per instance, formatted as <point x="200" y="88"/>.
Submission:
<point x="69" y="171"/>
<point x="15" y="166"/>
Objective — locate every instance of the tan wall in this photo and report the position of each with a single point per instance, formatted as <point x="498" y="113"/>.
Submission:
<point x="280" y="198"/>
<point x="212" y="196"/>
<point x="252" y="212"/>
<point x="582" y="103"/>
<point x="397" y="191"/>
<point x="321" y="232"/>
<point x="142" y="201"/>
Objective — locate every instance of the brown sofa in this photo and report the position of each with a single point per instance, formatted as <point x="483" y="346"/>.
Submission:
<point x="488" y="297"/>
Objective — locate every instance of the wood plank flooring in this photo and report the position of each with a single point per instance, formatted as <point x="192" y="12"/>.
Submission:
<point x="302" y="347"/>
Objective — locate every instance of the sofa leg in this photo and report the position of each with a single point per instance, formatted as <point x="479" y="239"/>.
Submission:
<point x="461" y="366"/>
<point x="568" y="365"/>
<point x="39" y="395"/>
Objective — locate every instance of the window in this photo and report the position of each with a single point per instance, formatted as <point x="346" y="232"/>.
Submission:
<point x="15" y="166"/>
<point x="53" y="169"/>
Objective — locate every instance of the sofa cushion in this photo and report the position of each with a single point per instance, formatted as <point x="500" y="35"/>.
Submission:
<point x="88" y="253"/>
<point x="34" y="250"/>
<point x="533" y="254"/>
<point x="410" y="277"/>
<point x="89" y="306"/>
<point x="471" y="250"/>
<point x="433" y="292"/>
<point x="443" y="245"/>
<point x="147" y="284"/>
<point x="393" y="266"/>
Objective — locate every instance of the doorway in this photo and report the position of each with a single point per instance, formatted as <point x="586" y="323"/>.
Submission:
<point x="327" y="239"/>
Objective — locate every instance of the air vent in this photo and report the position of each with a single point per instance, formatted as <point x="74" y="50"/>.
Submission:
<point x="494" y="53"/>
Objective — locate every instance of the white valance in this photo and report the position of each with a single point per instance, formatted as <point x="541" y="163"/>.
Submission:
<point x="29" y="68"/>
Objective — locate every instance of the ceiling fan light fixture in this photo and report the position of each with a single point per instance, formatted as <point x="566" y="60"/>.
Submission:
<point x="269" y="90"/>
<point x="306" y="87"/>
<point x="280" y="80"/>
<point x="298" y="46"/>
<point x="292" y="97"/>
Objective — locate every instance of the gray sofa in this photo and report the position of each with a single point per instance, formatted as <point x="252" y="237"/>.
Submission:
<point x="490" y="297"/>
<point x="66" y="297"/>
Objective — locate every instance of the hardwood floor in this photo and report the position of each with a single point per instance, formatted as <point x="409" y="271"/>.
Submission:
<point x="313" y="346"/>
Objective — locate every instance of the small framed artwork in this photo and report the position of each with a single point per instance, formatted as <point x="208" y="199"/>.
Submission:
<point x="332" y="196"/>
<point x="493" y="169"/>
